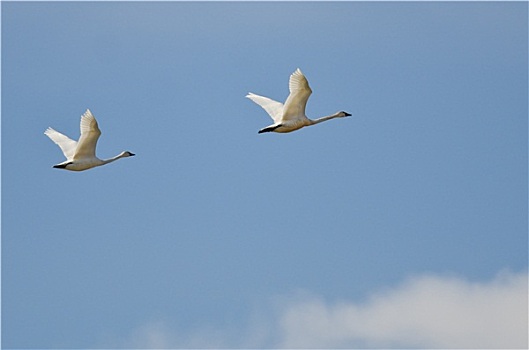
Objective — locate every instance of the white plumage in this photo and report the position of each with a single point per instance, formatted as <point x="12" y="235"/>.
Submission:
<point x="291" y="116"/>
<point x="81" y="155"/>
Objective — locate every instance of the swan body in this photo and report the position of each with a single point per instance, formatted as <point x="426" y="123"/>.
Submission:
<point x="291" y="115"/>
<point x="81" y="155"/>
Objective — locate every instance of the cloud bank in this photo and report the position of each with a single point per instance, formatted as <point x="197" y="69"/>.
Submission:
<point x="422" y="312"/>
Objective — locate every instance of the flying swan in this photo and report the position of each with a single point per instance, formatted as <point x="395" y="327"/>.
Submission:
<point x="291" y="116"/>
<point x="82" y="155"/>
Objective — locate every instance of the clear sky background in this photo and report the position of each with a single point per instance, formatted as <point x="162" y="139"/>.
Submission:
<point x="402" y="226"/>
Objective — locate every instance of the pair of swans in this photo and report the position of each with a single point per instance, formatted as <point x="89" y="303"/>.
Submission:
<point x="80" y="155"/>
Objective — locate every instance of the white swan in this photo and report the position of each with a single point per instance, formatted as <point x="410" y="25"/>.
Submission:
<point x="82" y="155"/>
<point x="291" y="116"/>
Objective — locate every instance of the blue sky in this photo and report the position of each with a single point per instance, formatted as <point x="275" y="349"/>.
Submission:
<point x="380" y="230"/>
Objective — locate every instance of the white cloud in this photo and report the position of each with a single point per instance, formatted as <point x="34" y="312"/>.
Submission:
<point x="422" y="312"/>
<point x="425" y="312"/>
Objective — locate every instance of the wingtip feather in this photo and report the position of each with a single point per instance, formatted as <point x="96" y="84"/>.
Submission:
<point x="87" y="113"/>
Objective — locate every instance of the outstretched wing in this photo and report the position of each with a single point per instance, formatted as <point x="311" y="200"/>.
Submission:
<point x="273" y="108"/>
<point x="90" y="133"/>
<point x="299" y="95"/>
<point x="66" y="144"/>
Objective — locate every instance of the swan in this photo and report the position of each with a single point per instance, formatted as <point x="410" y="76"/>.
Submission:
<point x="81" y="155"/>
<point x="291" y="116"/>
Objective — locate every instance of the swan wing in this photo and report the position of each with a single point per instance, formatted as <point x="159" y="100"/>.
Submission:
<point x="66" y="144"/>
<point x="299" y="95"/>
<point x="86" y="148"/>
<point x="273" y="108"/>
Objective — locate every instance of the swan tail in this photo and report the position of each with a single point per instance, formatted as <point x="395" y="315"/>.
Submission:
<point x="269" y="129"/>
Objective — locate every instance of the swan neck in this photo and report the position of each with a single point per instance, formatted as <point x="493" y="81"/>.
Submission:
<point x="322" y="119"/>
<point x="110" y="160"/>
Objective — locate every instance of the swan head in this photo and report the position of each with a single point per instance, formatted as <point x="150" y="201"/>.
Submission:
<point x="127" y="154"/>
<point x="343" y="114"/>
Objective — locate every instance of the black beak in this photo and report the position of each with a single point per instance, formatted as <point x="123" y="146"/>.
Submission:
<point x="132" y="154"/>
<point x="347" y="114"/>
